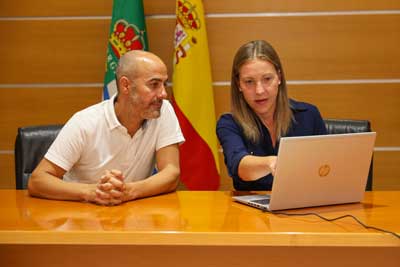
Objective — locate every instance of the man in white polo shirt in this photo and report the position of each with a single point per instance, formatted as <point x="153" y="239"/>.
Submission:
<point x="106" y="153"/>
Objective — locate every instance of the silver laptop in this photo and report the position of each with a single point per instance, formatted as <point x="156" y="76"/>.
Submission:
<point x="318" y="170"/>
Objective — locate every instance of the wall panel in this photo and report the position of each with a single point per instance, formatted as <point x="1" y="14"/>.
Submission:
<point x="26" y="8"/>
<point x="353" y="101"/>
<point x="314" y="48"/>
<point x="53" y="60"/>
<point x="35" y="106"/>
<point x="161" y="40"/>
<point x="386" y="170"/>
<point x="7" y="171"/>
<point x="62" y="51"/>
<point x="358" y="101"/>
<point x="311" y="48"/>
<point x="151" y="7"/>
<point x="227" y="6"/>
<point x="55" y="51"/>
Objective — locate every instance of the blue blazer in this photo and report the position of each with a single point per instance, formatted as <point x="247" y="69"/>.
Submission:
<point x="307" y="121"/>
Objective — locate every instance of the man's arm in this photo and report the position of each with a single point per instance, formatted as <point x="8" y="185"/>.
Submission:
<point x="46" y="182"/>
<point x="165" y="180"/>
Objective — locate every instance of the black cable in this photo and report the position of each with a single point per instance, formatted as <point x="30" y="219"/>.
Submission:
<point x="337" y="218"/>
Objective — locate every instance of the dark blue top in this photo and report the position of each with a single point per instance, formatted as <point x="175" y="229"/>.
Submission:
<point x="307" y="121"/>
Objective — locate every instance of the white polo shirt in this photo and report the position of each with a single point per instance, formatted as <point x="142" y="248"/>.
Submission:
<point x="93" y="140"/>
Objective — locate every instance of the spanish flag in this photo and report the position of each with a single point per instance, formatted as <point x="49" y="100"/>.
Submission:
<point x="193" y="98"/>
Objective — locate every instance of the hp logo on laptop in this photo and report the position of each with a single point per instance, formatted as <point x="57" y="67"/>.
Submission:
<point x="324" y="170"/>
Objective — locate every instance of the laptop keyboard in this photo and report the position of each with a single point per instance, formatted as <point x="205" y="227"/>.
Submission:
<point x="261" y="201"/>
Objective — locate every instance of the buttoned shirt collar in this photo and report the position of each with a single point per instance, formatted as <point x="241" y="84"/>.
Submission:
<point x="111" y="116"/>
<point x="109" y="111"/>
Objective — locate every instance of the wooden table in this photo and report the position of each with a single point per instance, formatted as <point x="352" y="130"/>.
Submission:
<point x="194" y="228"/>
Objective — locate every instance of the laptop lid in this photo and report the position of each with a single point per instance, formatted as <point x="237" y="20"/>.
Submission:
<point x="319" y="170"/>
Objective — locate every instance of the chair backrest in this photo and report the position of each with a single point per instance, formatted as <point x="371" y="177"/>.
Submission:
<point x="31" y="145"/>
<point x="338" y="126"/>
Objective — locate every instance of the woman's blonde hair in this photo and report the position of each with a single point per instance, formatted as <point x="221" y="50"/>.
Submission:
<point x="241" y="111"/>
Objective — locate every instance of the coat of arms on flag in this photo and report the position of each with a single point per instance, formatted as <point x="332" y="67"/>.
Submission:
<point x="127" y="32"/>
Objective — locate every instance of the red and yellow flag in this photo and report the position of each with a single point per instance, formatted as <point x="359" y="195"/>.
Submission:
<point x="193" y="98"/>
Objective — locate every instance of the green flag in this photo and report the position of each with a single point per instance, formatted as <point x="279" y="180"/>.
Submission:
<point x="127" y="32"/>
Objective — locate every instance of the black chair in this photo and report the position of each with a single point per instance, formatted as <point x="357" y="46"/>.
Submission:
<point x="337" y="126"/>
<point x="31" y="145"/>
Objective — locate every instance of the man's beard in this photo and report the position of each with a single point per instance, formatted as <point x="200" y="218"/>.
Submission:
<point x="153" y="111"/>
<point x="149" y="111"/>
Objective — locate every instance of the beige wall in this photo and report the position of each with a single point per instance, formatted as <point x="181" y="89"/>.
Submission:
<point x="341" y="55"/>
